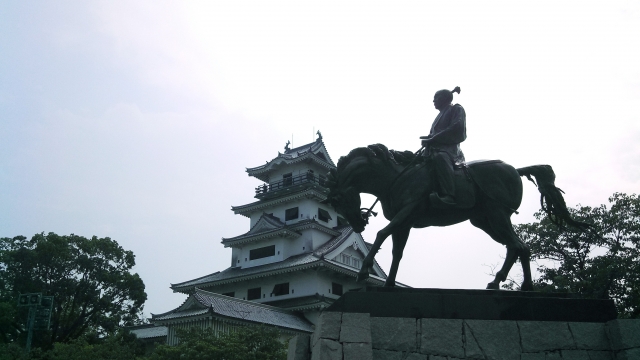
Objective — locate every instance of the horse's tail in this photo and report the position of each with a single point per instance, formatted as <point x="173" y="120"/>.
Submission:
<point x="551" y="199"/>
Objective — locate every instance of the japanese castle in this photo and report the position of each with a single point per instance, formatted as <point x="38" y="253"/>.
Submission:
<point x="297" y="258"/>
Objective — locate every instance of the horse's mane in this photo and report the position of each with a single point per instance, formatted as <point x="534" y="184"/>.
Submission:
<point x="378" y="151"/>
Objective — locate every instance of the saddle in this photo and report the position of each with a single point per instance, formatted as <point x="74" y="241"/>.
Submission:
<point x="465" y="182"/>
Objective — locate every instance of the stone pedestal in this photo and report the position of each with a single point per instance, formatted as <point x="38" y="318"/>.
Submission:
<point x="474" y="304"/>
<point x="347" y="335"/>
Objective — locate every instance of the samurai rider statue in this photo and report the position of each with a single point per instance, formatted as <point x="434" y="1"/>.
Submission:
<point x="442" y="147"/>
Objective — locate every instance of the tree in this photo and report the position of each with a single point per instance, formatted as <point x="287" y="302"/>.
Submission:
<point x="601" y="262"/>
<point x="246" y="343"/>
<point x="90" y="279"/>
<point x="120" y="345"/>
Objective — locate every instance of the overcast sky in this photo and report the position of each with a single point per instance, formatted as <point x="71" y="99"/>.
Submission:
<point x="136" y="120"/>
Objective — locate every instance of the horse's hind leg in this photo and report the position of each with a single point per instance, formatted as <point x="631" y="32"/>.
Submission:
<point x="399" y="241"/>
<point x="498" y="225"/>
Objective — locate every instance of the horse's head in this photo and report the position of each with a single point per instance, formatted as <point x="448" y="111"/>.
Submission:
<point x="357" y="172"/>
<point x="346" y="201"/>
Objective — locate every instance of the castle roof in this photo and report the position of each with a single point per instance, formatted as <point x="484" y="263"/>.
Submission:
<point x="314" y="152"/>
<point x="316" y="193"/>
<point x="204" y="303"/>
<point x="315" y="259"/>
<point x="269" y="226"/>
<point x="148" y="331"/>
<point x="303" y="303"/>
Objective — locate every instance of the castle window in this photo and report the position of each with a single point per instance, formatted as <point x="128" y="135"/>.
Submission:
<point x="324" y="215"/>
<point x="281" y="289"/>
<point x="287" y="179"/>
<point x="336" y="289"/>
<point x="253" y="294"/>
<point x="262" y="252"/>
<point x="291" y="214"/>
<point x="230" y="294"/>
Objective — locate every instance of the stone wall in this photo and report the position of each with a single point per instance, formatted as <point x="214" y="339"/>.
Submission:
<point x="355" y="336"/>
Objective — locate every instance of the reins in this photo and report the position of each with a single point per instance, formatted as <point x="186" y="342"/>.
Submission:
<point x="367" y="214"/>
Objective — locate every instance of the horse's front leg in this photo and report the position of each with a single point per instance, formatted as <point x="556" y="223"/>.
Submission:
<point x="367" y="263"/>
<point x="399" y="241"/>
<point x="403" y="218"/>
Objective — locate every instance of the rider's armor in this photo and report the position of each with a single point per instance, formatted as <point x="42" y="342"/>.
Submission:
<point x="443" y="147"/>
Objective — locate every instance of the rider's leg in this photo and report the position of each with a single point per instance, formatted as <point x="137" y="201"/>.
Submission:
<point x="443" y="166"/>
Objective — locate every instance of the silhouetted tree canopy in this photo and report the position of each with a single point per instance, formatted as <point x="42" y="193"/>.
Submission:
<point x="91" y="281"/>
<point x="603" y="262"/>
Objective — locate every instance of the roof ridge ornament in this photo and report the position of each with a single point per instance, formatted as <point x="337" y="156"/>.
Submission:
<point x="286" y="146"/>
<point x="319" y="136"/>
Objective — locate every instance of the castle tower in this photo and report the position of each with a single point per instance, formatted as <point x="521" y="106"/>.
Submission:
<point x="297" y="258"/>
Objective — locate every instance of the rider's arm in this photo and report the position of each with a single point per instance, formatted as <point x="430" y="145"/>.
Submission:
<point x="454" y="133"/>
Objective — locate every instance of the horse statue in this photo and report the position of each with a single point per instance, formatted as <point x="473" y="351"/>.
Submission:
<point x="489" y="193"/>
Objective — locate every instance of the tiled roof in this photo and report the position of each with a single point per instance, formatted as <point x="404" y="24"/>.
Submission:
<point x="296" y="151"/>
<point x="241" y="310"/>
<point x="148" y="331"/>
<point x="308" y="151"/>
<point x="345" y="231"/>
<point x="267" y="226"/>
<point x="293" y="263"/>
<point x="173" y="314"/>
<point x="229" y="274"/>
<point x="263" y="230"/>
<point x="318" y="193"/>
<point x="303" y="303"/>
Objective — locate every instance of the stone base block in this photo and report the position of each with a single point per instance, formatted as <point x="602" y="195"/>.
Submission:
<point x="492" y="332"/>
<point x="327" y="350"/>
<point x="299" y="348"/>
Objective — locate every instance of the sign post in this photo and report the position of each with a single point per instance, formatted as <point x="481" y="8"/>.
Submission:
<point x="39" y="318"/>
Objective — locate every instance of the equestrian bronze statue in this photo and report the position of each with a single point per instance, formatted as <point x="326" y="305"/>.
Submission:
<point x="410" y="187"/>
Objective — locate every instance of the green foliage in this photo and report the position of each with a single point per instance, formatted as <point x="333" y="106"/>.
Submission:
<point x="247" y="343"/>
<point x="117" y="346"/>
<point x="603" y="262"/>
<point x="90" y="279"/>
<point x="12" y="352"/>
<point x="8" y="325"/>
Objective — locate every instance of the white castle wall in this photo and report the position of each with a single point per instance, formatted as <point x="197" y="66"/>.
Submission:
<point x="307" y="209"/>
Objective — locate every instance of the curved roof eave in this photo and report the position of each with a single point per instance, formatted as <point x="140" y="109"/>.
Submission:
<point x="255" y="206"/>
<point x="291" y="156"/>
<point x="260" y="172"/>
<point x="319" y="263"/>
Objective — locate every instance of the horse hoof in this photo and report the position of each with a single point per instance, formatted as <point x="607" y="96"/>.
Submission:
<point x="493" y="286"/>
<point x="526" y="286"/>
